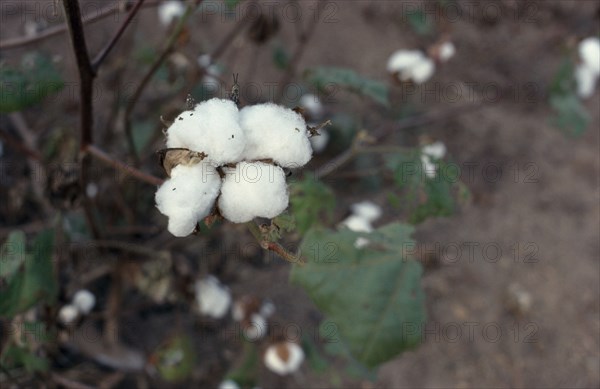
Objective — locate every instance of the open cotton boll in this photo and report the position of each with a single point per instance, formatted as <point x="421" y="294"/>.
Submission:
<point x="229" y="384"/>
<point x="84" y="301"/>
<point x="357" y="223"/>
<point x="411" y="65"/>
<point x="435" y="150"/>
<point x="447" y="51"/>
<point x="367" y="210"/>
<point x="213" y="128"/>
<point x="213" y="298"/>
<point x="67" y="314"/>
<point x="585" y="78"/>
<point x="256" y="328"/>
<point x="188" y="196"/>
<point x="253" y="189"/>
<point x="312" y="105"/>
<point x="429" y="167"/>
<point x="589" y="52"/>
<point x="284" y="357"/>
<point x="319" y="142"/>
<point x="169" y="10"/>
<point x="277" y="133"/>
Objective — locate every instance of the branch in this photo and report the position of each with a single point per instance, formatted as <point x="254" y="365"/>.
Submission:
<point x="102" y="55"/>
<point x="167" y="50"/>
<point x="102" y="156"/>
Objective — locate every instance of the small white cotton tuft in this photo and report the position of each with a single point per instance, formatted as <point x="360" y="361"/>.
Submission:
<point x="188" y="196"/>
<point x="357" y="223"/>
<point x="312" y="105"/>
<point x="447" y="51"/>
<point x="411" y="65"/>
<point x="256" y="328"/>
<point x="284" y="357"/>
<point x="169" y="10"/>
<point x="429" y="166"/>
<point x="213" y="298"/>
<point x="589" y="52"/>
<point x="84" y="301"/>
<point x="277" y="133"/>
<point x="213" y="128"/>
<point x="319" y="142"/>
<point x="586" y="79"/>
<point x="435" y="150"/>
<point x="229" y="384"/>
<point x="67" y="314"/>
<point x="367" y="210"/>
<point x="253" y="189"/>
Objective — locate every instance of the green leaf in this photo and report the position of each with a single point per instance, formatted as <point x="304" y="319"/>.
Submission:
<point x="231" y="4"/>
<point x="281" y="57"/>
<point x="572" y="115"/>
<point x="419" y="23"/>
<point x="246" y="373"/>
<point x="176" y="359"/>
<point x="15" y="357"/>
<point x="327" y="78"/>
<point x="27" y="85"/>
<point x="373" y="295"/>
<point x="12" y="254"/>
<point x="35" y="282"/>
<point x="310" y="200"/>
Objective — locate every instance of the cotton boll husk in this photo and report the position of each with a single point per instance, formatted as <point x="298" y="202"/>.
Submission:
<point x="277" y="133"/>
<point x="367" y="210"/>
<point x="589" y="52"/>
<point x="357" y="223"/>
<point x="586" y="79"/>
<point x="84" y="301"/>
<point x="169" y="10"/>
<point x="253" y="189"/>
<point x="284" y="358"/>
<point x="213" y="128"/>
<point x="188" y="196"/>
<point x="213" y="298"/>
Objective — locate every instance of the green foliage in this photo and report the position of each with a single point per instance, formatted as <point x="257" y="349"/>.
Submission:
<point x="16" y="356"/>
<point x="27" y="85"/>
<point x="419" y="23"/>
<point x="281" y="57"/>
<point x="311" y="200"/>
<point x="245" y="375"/>
<point x="12" y="254"/>
<point x="372" y="295"/>
<point x="571" y="115"/>
<point x="231" y="4"/>
<point x="34" y="282"/>
<point x="142" y="134"/>
<point x="175" y="359"/>
<point x="328" y="79"/>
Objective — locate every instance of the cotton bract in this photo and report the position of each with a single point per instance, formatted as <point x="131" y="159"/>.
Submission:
<point x="213" y="128"/>
<point x="277" y="133"/>
<point x="253" y="189"/>
<point x="188" y="196"/>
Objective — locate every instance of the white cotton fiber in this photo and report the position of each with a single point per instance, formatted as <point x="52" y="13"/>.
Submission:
<point x="586" y="79"/>
<point x="84" y="301"/>
<point x="589" y="52"/>
<point x="435" y="150"/>
<point x="188" y="196"/>
<point x="367" y="210"/>
<point x="312" y="105"/>
<point x="277" y="133"/>
<point x="253" y="189"/>
<point x="357" y="223"/>
<point x="447" y="51"/>
<point x="213" y="128"/>
<point x="284" y="358"/>
<point x="213" y="298"/>
<point x="411" y="65"/>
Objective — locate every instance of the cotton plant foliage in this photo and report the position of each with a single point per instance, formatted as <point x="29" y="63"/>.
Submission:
<point x="237" y="164"/>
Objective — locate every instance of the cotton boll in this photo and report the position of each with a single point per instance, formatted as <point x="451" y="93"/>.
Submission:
<point x="277" y="133"/>
<point x="585" y="78"/>
<point x="253" y="189"/>
<point x="312" y="105"/>
<point x="589" y="52"/>
<point x="411" y="65"/>
<point x="429" y="167"/>
<point x="357" y="223"/>
<point x="84" y="301"/>
<point x="229" y="384"/>
<point x="256" y="327"/>
<point x="67" y="314"/>
<point x="361" y="242"/>
<point x="435" y="150"/>
<point x="367" y="210"/>
<point x="213" y="298"/>
<point x="213" y="128"/>
<point x="188" y="196"/>
<point x="446" y="51"/>
<point x="284" y="357"/>
<point x="169" y="10"/>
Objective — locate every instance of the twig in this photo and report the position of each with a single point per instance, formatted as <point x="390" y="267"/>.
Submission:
<point x="272" y="246"/>
<point x="20" y="146"/>
<point x="304" y="38"/>
<point x="102" y="55"/>
<point x="102" y="156"/>
<point x="167" y="50"/>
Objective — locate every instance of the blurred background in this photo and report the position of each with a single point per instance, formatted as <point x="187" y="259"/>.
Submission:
<point x="473" y="122"/>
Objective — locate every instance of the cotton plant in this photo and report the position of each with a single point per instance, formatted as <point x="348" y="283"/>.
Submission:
<point x="587" y="70"/>
<point x="82" y="303"/>
<point x="253" y="315"/>
<point x="230" y="162"/>
<point x="361" y="219"/>
<point x="284" y="358"/>
<point x="417" y="66"/>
